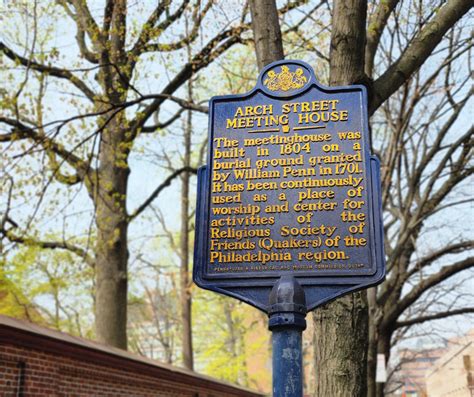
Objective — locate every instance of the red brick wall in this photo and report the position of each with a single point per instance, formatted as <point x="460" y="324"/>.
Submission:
<point x="52" y="367"/>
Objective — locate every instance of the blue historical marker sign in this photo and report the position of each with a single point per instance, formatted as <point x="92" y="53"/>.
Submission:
<point x="290" y="188"/>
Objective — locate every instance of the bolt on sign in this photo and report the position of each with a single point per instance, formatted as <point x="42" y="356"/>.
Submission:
<point x="290" y="187"/>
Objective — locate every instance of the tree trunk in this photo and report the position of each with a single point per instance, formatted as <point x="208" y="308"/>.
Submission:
<point x="340" y="342"/>
<point x="110" y="197"/>
<point x="186" y="300"/>
<point x="266" y="32"/>
<point x="341" y="327"/>
<point x="112" y="225"/>
<point x="347" y="49"/>
<point x="185" y="282"/>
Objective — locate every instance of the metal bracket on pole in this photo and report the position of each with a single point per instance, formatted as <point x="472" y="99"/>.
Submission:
<point x="287" y="312"/>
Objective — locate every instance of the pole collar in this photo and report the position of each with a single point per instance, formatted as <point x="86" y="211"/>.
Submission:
<point x="287" y="304"/>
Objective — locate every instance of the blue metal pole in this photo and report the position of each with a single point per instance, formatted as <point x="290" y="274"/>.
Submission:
<point x="287" y="363"/>
<point x="287" y="311"/>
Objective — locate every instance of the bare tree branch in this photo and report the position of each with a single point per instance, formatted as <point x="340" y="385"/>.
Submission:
<point x="421" y="47"/>
<point x="64" y="245"/>
<point x="375" y="28"/>
<point x="431" y="317"/>
<point x="164" y="124"/>
<point x="188" y="38"/>
<point x="150" y="31"/>
<point x="429" y="282"/>
<point x="212" y="50"/>
<point x="48" y="70"/>
<point x="86" y="21"/>
<point x="450" y="249"/>
<point x="159" y="189"/>
<point x="21" y="131"/>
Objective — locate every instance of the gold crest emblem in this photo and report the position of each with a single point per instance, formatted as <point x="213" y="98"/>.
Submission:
<point x="285" y="80"/>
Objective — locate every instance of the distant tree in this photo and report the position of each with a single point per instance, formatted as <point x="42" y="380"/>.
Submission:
<point x="43" y="288"/>
<point x="239" y="349"/>
<point x="153" y="325"/>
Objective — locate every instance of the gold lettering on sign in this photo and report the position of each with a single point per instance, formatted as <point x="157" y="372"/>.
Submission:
<point x="288" y="190"/>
